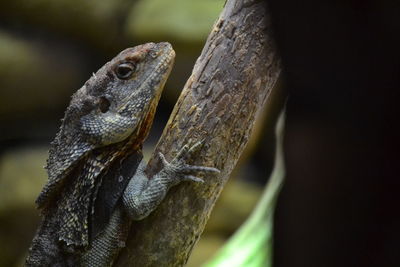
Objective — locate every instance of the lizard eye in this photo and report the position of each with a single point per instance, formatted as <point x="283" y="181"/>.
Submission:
<point x="104" y="104"/>
<point x="125" y="70"/>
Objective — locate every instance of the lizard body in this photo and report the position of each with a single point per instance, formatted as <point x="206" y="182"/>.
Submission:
<point x="97" y="183"/>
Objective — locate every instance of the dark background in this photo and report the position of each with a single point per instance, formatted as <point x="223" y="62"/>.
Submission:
<point x="340" y="201"/>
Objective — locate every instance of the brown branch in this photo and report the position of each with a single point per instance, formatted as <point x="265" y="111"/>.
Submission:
<point x="230" y="82"/>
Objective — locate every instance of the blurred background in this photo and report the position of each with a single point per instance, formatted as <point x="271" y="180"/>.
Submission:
<point x="48" y="49"/>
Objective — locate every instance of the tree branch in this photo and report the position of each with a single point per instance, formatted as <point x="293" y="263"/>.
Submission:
<point x="230" y="82"/>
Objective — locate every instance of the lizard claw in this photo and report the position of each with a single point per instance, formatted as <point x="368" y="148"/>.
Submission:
<point x="163" y="159"/>
<point x="193" y="178"/>
<point x="182" y="154"/>
<point x="192" y="168"/>
<point x="187" y="151"/>
<point x="183" y="171"/>
<point x="196" y="147"/>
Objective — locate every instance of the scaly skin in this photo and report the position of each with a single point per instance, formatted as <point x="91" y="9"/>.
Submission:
<point x="96" y="180"/>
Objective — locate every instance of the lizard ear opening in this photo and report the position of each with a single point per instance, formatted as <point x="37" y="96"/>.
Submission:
<point x="125" y="70"/>
<point x="104" y="104"/>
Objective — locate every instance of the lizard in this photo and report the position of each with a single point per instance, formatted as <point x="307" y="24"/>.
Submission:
<point x="97" y="182"/>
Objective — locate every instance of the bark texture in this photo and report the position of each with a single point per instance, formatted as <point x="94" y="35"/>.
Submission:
<point x="230" y="82"/>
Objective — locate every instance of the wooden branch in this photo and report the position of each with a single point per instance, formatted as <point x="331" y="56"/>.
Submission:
<point x="230" y="82"/>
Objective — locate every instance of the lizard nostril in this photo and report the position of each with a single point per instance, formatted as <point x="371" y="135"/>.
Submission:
<point x="104" y="104"/>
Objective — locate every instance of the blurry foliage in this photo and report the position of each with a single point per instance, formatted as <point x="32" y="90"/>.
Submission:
<point x="21" y="178"/>
<point x="33" y="77"/>
<point x="182" y="20"/>
<point x="97" y="23"/>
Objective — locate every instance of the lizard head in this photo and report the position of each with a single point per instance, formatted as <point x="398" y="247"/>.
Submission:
<point x="116" y="104"/>
<point x="124" y="94"/>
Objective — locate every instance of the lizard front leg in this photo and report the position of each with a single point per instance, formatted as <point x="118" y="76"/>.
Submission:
<point x="140" y="198"/>
<point x="143" y="195"/>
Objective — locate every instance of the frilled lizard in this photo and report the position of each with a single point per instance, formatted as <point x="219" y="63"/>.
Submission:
<point x="97" y="183"/>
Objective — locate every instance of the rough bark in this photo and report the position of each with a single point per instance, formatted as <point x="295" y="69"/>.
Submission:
<point x="230" y="82"/>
